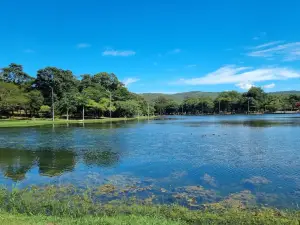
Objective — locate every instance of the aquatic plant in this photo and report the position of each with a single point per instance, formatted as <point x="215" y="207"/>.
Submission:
<point x="209" y="180"/>
<point x="256" y="181"/>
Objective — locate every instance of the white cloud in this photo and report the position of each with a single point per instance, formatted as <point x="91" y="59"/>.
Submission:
<point x="267" y="44"/>
<point x="175" y="51"/>
<point x="269" y="86"/>
<point x="191" y="65"/>
<point x="29" y="50"/>
<point x="241" y="76"/>
<point x="129" y="81"/>
<point x="112" y="52"/>
<point x="286" y="52"/>
<point x="245" y="85"/>
<point x="83" y="45"/>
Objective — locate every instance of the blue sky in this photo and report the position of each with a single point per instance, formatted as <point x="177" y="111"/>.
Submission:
<point x="160" y="45"/>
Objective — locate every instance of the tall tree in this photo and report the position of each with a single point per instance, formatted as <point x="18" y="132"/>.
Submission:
<point x="14" y="74"/>
<point x="60" y="80"/>
<point x="107" y="80"/>
<point x="36" y="100"/>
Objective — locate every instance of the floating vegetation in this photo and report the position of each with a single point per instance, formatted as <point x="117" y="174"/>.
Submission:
<point x="256" y="181"/>
<point x="178" y="174"/>
<point x="240" y="200"/>
<point x="106" y="189"/>
<point x="199" y="192"/>
<point x="123" y="180"/>
<point x="209" y="180"/>
<point x="163" y="190"/>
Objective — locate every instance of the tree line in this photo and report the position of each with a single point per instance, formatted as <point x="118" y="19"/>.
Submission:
<point x="255" y="100"/>
<point x="58" y="92"/>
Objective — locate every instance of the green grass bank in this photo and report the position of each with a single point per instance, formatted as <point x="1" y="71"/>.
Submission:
<point x="41" y="122"/>
<point x="52" y="206"/>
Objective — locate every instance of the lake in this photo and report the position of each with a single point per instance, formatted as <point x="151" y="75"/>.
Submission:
<point x="178" y="159"/>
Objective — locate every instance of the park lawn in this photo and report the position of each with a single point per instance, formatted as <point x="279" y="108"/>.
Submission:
<point x="229" y="218"/>
<point x="21" y="219"/>
<point x="40" y="122"/>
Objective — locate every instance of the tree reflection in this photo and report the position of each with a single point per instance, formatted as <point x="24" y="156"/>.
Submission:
<point x="55" y="162"/>
<point x="100" y="158"/>
<point x="16" y="163"/>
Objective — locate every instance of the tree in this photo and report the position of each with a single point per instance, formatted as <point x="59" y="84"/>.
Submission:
<point x="171" y="107"/>
<point x="36" y="100"/>
<point x="14" y="74"/>
<point x="61" y="81"/>
<point x="11" y="97"/>
<point x="68" y="103"/>
<point x="107" y="80"/>
<point x="129" y="108"/>
<point x="86" y="81"/>
<point x="82" y="100"/>
<point x="256" y="96"/>
<point x="160" y="104"/>
<point x="45" y="110"/>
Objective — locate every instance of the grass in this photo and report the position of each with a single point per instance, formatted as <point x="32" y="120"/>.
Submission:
<point x="40" y="122"/>
<point x="21" y="219"/>
<point x="65" y="205"/>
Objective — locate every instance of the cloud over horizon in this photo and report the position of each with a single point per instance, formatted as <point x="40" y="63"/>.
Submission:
<point x="242" y="77"/>
<point x="129" y="81"/>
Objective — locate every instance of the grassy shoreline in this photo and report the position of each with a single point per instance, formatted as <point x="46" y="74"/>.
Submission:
<point x="39" y="122"/>
<point x="52" y="205"/>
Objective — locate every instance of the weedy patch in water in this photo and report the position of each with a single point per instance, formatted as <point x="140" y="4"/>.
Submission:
<point x="242" y="200"/>
<point x="209" y="180"/>
<point x="256" y="181"/>
<point x="106" y="189"/>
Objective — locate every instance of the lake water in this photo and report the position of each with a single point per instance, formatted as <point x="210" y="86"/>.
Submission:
<point x="188" y="160"/>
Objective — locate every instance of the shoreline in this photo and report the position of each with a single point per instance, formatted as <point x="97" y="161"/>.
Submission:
<point x="54" y="207"/>
<point x="41" y="122"/>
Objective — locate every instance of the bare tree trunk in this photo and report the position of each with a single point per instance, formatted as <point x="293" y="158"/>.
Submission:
<point x="67" y="114"/>
<point x="83" y="113"/>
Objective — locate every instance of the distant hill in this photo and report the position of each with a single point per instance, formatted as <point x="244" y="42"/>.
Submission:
<point x="179" y="97"/>
<point x="285" y="93"/>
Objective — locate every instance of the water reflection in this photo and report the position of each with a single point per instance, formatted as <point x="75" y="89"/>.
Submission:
<point x="55" y="162"/>
<point x="15" y="163"/>
<point x="101" y="158"/>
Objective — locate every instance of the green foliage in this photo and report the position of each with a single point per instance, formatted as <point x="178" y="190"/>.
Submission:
<point x="36" y="100"/>
<point x="128" y="108"/>
<point x="61" y="81"/>
<point x="14" y="74"/>
<point x="12" y="97"/>
<point x="230" y="102"/>
<point x="45" y="110"/>
<point x="107" y="80"/>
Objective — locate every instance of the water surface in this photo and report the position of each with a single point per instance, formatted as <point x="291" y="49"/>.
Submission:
<point x="206" y="158"/>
